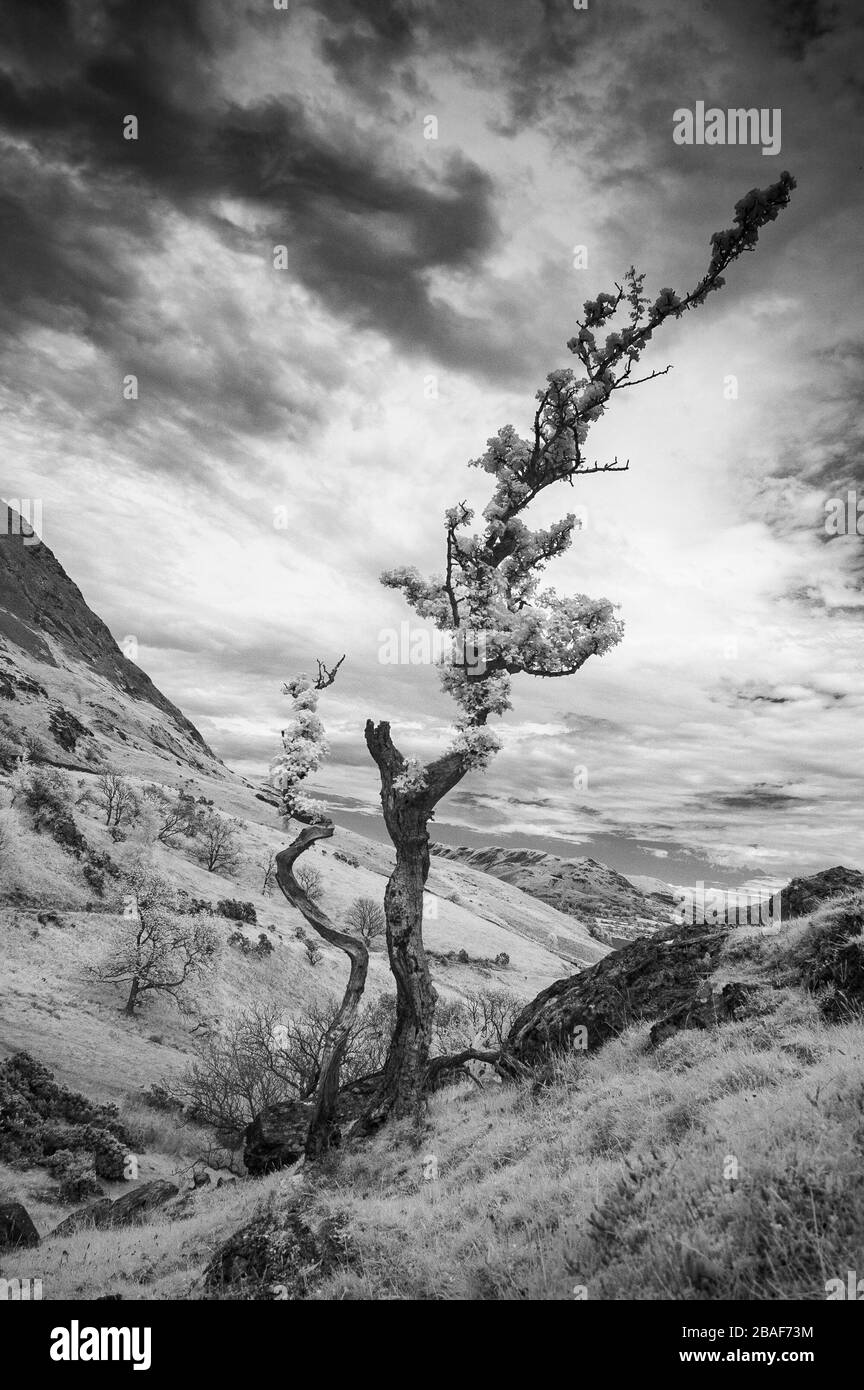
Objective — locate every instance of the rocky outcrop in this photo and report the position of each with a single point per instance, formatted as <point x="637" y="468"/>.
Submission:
<point x="708" y="1007"/>
<point x="804" y="895"/>
<point x="658" y="977"/>
<point x="16" y="1228"/>
<point x="276" y="1255"/>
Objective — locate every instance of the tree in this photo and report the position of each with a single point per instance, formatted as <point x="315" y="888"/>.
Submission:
<point x="177" y="817"/>
<point x="366" y="918"/>
<point x="158" y="952"/>
<point x="269" y="867"/>
<point x="303" y="750"/>
<point x="310" y="881"/>
<point x="500" y="624"/>
<point x="219" y="848"/>
<point x="119" y="801"/>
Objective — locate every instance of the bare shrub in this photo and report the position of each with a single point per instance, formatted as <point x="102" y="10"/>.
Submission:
<point x="261" y="1057"/>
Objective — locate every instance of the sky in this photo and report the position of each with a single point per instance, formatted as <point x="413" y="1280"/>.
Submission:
<point x="448" y="182"/>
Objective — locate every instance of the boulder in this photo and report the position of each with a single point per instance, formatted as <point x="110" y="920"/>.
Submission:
<point x="276" y="1255"/>
<point x="91" y="1215"/>
<point x="16" y="1227"/>
<point x="134" y="1205"/>
<point x="651" y="978"/>
<point x="277" y="1136"/>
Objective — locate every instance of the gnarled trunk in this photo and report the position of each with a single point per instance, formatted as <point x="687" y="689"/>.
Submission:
<point x="407" y="812"/>
<point x="322" y="1123"/>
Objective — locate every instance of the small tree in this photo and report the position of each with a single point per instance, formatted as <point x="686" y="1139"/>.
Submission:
<point x="119" y="800"/>
<point x="303" y="748"/>
<point x="158" y="952"/>
<point x="310" y="881"/>
<point x="366" y="918"/>
<point x="177" y="817"/>
<point x="219" y="847"/>
<point x="269" y="868"/>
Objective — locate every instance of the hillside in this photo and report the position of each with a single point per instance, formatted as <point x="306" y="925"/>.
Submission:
<point x="62" y="672"/>
<point x="717" y="1162"/>
<point x="593" y="894"/>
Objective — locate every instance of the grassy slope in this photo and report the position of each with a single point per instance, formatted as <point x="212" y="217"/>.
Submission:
<point x="52" y="1009"/>
<point x="612" y="1179"/>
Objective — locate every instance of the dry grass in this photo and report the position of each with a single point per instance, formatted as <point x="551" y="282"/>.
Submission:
<point x="616" y="1177"/>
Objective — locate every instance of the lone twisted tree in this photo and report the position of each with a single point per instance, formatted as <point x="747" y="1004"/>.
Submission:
<point x="499" y="622"/>
<point x="303" y="749"/>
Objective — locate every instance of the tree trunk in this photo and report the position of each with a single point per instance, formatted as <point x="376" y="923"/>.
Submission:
<point x="322" y="1125"/>
<point x="407" y="813"/>
<point x="133" y="997"/>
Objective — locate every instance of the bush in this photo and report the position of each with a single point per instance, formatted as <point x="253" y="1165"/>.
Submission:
<point x="262" y="948"/>
<point x="40" y="1119"/>
<point x="76" y="1175"/>
<point x="260" y="1058"/>
<point x="46" y="796"/>
<point x="313" y="950"/>
<point x="98" y="866"/>
<point x="10" y="752"/>
<point x="346" y="858"/>
<point x="36" y="750"/>
<point x="237" y="911"/>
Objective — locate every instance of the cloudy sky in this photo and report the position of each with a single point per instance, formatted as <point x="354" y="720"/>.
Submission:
<point x="299" y="427"/>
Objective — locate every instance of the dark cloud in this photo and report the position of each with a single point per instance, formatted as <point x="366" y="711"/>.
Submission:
<point x="363" y="233"/>
<point x="760" y="797"/>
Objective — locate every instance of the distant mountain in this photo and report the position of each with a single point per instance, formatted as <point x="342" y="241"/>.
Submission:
<point x="47" y="627"/>
<point x="585" y="889"/>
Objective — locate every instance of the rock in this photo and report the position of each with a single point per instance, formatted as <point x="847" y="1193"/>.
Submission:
<point x="139" y="1202"/>
<point x="803" y="895"/>
<point x="225" y="1182"/>
<point x="707" y="1007"/>
<point x="16" y="1228"/>
<point x="91" y="1215"/>
<point x="201" y="1179"/>
<point x="276" y="1255"/>
<point x="650" y="978"/>
<point x="277" y="1136"/>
